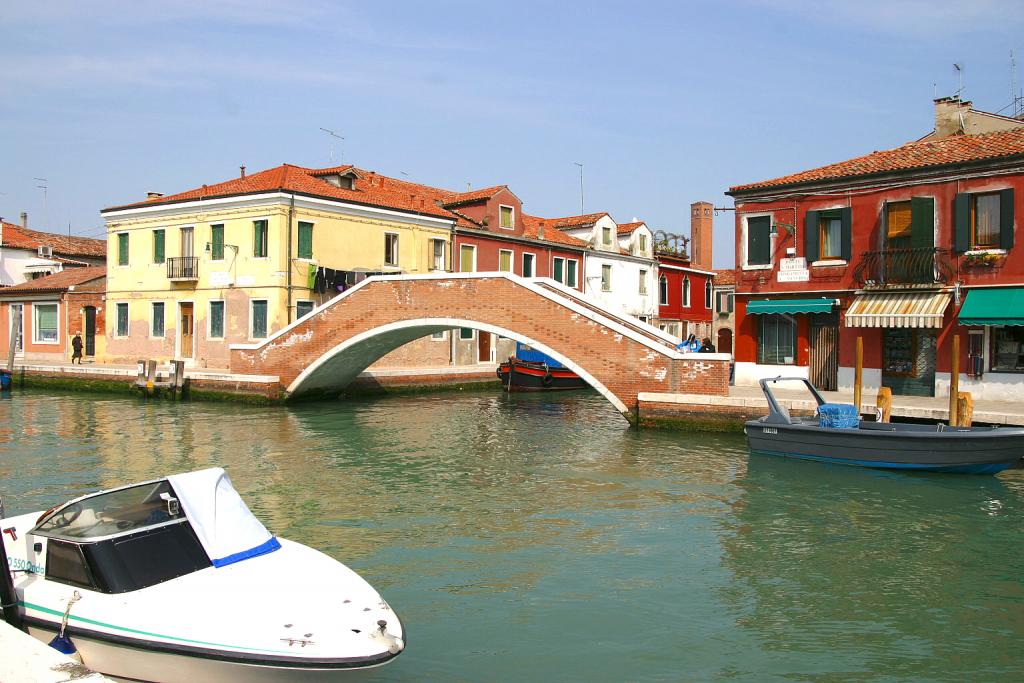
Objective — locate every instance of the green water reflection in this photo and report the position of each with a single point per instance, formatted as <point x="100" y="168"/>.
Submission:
<point x="537" y="538"/>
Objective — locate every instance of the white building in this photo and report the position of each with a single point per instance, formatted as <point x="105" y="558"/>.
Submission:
<point x="619" y="268"/>
<point x="28" y="254"/>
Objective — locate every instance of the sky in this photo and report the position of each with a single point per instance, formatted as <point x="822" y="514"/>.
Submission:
<point x="664" y="104"/>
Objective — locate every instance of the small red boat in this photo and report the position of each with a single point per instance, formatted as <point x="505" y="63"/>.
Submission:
<point x="530" y="370"/>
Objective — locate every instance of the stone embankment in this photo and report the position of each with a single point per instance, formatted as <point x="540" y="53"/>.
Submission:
<point x="23" y="658"/>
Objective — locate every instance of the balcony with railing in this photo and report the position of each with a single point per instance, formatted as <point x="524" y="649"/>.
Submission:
<point x="183" y="268"/>
<point x="904" y="267"/>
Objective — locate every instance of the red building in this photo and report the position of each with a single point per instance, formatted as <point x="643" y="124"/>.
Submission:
<point x="685" y="286"/>
<point x="905" y="248"/>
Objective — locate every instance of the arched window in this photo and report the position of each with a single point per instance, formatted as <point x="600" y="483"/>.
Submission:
<point x="707" y="295"/>
<point x="686" y="292"/>
<point x="663" y="291"/>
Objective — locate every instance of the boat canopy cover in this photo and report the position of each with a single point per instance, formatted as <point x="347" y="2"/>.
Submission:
<point x="228" y="531"/>
<point x="898" y="309"/>
<point x="531" y="355"/>
<point x="1003" y="306"/>
<point x="790" y="306"/>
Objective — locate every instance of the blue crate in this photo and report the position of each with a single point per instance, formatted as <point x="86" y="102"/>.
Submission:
<point x="838" y="416"/>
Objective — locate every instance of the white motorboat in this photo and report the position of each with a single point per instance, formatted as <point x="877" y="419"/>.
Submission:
<point x="176" y="580"/>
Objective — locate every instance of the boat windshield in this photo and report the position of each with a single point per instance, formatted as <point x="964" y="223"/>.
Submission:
<point x="113" y="512"/>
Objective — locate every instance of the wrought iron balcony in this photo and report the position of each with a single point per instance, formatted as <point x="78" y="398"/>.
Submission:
<point x="183" y="268"/>
<point x="892" y="267"/>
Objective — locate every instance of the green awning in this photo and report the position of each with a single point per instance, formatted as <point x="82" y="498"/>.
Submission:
<point x="790" y="306"/>
<point x="993" y="307"/>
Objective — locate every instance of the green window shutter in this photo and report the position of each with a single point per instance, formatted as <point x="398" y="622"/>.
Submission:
<point x="558" y="266"/>
<point x="217" y="240"/>
<point x="759" y="247"/>
<point x="1006" y="219"/>
<point x="570" y="278"/>
<point x="305" y="240"/>
<point x="259" y="239"/>
<point x="962" y="222"/>
<point x="812" y="235"/>
<point x="922" y="222"/>
<point x="216" y="319"/>
<point x="846" y="233"/>
<point x="122" y="249"/>
<point x="158" y="246"/>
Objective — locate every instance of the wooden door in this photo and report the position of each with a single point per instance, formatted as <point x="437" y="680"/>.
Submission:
<point x="90" y="330"/>
<point x="724" y="340"/>
<point x="186" y="327"/>
<point x="485" y="346"/>
<point x="824" y="352"/>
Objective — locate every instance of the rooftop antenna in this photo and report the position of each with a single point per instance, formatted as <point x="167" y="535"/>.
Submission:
<point x="1015" y="94"/>
<point x="44" y="188"/>
<point x="339" y="137"/>
<point x="960" y="79"/>
<point x="582" y="211"/>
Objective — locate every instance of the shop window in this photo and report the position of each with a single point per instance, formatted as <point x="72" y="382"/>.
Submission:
<point x="899" y="353"/>
<point x="776" y="344"/>
<point x="1007" y="349"/>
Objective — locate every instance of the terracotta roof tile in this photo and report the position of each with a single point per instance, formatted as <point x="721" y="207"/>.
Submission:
<point x="476" y="195"/>
<point x="569" y="222"/>
<point x="628" y="228"/>
<point x="58" y="282"/>
<point x="531" y="230"/>
<point x="913" y="155"/>
<point x="725" y="277"/>
<point x="17" y="237"/>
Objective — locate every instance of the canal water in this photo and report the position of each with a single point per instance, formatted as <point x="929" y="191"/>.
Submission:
<point x="538" y="538"/>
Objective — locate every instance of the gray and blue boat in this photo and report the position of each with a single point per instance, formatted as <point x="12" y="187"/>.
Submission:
<point x="836" y="434"/>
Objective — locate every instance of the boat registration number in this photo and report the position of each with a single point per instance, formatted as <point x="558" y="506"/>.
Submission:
<point x="769" y="430"/>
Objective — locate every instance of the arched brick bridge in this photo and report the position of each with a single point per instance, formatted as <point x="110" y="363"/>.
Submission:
<point x="617" y="355"/>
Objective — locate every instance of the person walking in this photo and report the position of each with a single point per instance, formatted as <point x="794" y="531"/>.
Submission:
<point x="76" y="346"/>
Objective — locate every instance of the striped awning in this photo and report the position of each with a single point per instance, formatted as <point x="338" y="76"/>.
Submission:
<point x="898" y="309"/>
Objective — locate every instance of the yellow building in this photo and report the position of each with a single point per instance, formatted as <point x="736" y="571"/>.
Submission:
<point x="191" y="273"/>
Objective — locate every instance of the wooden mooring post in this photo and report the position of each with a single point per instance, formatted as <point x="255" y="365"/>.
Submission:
<point x="964" y="409"/>
<point x="884" y="404"/>
<point x="954" y="381"/>
<point x="149" y="381"/>
<point x="858" y="374"/>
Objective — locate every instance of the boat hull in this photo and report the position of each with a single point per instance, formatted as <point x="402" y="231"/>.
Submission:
<point x="902" y="447"/>
<point x="526" y="376"/>
<point x="122" y="659"/>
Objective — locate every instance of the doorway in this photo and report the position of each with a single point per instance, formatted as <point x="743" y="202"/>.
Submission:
<point x="90" y="330"/>
<point x="484" y="346"/>
<point x="824" y="351"/>
<point x="724" y="340"/>
<point x="908" y="361"/>
<point x="185" y="327"/>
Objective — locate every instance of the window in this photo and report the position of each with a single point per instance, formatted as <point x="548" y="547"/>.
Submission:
<point x="259" y="318"/>
<point x="725" y="302"/>
<point x="644" y="319"/>
<point x="467" y="258"/>
<point x="466" y="332"/>
<point x="606" y="235"/>
<point x="506" y="217"/>
<point x="122" y="249"/>
<point x="643" y="244"/>
<point x="303" y="308"/>
<point x="157" y="327"/>
<point x="187" y="241"/>
<point x="686" y="292"/>
<point x="707" y="295"/>
<point x="899" y="220"/>
<point x="776" y="340"/>
<point x="216" y="319"/>
<point x="643" y="283"/>
<point x="122" y="320"/>
<point x="260" y="239"/>
<point x="1007" y="349"/>
<point x="66" y="564"/>
<point x="528" y="263"/>
<point x="606" y="278"/>
<point x="159" y="241"/>
<point x="985" y="221"/>
<point x="570" y="272"/>
<point x="305" y="247"/>
<point x="217" y="242"/>
<point x="437" y="254"/>
<point x="558" y="269"/>
<point x="663" y="291"/>
<point x="830" y="235"/>
<point x="439" y="336"/>
<point x="390" y="249"/>
<point x="505" y="260"/>
<point x="45" y="323"/>
<point x="759" y="240"/>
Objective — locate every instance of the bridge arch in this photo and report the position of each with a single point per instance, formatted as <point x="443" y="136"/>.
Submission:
<point x="342" y="364"/>
<point x="613" y="352"/>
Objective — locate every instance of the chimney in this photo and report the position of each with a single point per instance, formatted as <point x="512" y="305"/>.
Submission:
<point x="24" y="219"/>
<point x="241" y="170"/>
<point x="540" y="230"/>
<point x="949" y="116"/>
<point x="701" y="232"/>
<point x="154" y="195"/>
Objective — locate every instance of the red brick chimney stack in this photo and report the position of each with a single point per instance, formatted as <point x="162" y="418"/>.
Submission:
<point x="701" y="223"/>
